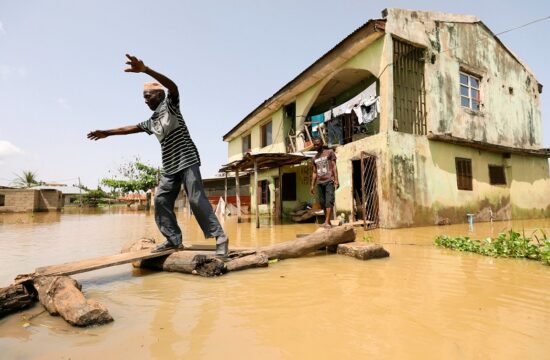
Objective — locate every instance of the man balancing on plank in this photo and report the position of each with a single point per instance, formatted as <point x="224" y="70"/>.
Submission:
<point x="180" y="161"/>
<point x="324" y="179"/>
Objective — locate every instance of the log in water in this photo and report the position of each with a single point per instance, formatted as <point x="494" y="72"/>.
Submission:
<point x="206" y="264"/>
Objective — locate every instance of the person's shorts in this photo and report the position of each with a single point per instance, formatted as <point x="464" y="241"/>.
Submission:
<point x="325" y="194"/>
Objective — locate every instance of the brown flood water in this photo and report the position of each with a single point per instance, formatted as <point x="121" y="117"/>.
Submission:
<point x="421" y="303"/>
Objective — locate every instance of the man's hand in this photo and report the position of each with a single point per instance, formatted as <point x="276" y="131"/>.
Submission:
<point x="312" y="190"/>
<point x="98" y="134"/>
<point x="136" y="65"/>
<point x="336" y="184"/>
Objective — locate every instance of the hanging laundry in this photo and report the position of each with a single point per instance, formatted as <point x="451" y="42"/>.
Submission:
<point x="328" y="115"/>
<point x="335" y="132"/>
<point x="367" y="110"/>
<point x="348" y="106"/>
<point x="315" y="121"/>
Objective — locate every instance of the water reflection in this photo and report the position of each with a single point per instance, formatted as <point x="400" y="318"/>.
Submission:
<point x="422" y="302"/>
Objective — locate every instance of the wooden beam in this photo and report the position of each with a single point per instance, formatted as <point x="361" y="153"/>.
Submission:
<point x="363" y="197"/>
<point x="256" y="194"/>
<point x="225" y="193"/>
<point x="237" y="193"/>
<point x="81" y="266"/>
<point x="280" y="195"/>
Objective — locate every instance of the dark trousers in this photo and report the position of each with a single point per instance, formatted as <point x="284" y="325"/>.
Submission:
<point x="165" y="198"/>
<point x="325" y="194"/>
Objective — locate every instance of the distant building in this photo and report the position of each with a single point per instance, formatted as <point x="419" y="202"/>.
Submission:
<point x="431" y="116"/>
<point x="30" y="200"/>
<point x="71" y="194"/>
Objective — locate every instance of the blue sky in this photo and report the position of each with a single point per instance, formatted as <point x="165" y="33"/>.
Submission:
<point x="61" y="68"/>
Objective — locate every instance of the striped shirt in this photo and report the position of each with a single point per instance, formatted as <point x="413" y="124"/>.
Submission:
<point x="178" y="150"/>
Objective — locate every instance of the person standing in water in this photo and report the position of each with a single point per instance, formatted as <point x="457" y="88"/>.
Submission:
<point x="324" y="179"/>
<point x="180" y="161"/>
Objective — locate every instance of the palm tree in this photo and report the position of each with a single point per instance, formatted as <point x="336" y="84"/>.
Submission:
<point x="26" y="179"/>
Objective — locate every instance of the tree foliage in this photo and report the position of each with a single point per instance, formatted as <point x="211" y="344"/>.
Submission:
<point x="94" y="197"/>
<point x="133" y="176"/>
<point x="26" y="179"/>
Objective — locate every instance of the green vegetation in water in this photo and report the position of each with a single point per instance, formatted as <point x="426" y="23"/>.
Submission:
<point x="509" y="244"/>
<point x="367" y="238"/>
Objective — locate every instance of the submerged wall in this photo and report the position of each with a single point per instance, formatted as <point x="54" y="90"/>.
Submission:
<point x="423" y="184"/>
<point x="29" y="200"/>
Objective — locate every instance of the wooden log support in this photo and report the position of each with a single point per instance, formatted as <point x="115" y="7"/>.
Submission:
<point x="253" y="260"/>
<point x="61" y="295"/>
<point x="16" y="297"/>
<point x="307" y="244"/>
<point x="362" y="250"/>
<point x="206" y="264"/>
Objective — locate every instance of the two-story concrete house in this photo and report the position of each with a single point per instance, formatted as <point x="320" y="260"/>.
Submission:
<point x="431" y="116"/>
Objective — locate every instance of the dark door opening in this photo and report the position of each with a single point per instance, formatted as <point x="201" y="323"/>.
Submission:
<point x="365" y="191"/>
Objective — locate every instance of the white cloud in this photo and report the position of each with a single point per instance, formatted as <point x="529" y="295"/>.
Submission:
<point x="2" y="29"/>
<point x="8" y="149"/>
<point x="64" y="103"/>
<point x="7" y="71"/>
<point x="21" y="71"/>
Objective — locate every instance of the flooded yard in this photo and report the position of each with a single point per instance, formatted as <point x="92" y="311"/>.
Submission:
<point x="421" y="302"/>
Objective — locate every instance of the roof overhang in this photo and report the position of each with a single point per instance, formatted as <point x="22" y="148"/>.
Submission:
<point x="448" y="138"/>
<point x="325" y="65"/>
<point x="264" y="161"/>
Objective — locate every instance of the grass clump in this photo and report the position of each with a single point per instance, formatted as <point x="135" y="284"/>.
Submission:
<point x="509" y="244"/>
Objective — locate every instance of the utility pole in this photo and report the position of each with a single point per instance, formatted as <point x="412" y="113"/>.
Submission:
<point x="80" y="191"/>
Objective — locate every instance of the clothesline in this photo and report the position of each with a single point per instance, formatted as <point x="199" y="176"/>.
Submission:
<point x="365" y="98"/>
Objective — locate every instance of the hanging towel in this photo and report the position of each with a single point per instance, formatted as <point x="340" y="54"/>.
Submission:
<point x="315" y="121"/>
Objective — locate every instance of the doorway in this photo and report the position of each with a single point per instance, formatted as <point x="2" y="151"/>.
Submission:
<point x="365" y="191"/>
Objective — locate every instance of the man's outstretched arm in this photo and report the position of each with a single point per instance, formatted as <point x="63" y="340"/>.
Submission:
<point x="137" y="66"/>
<point x="125" y="130"/>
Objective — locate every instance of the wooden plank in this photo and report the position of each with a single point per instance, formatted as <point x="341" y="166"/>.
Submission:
<point x="81" y="266"/>
<point x="77" y="267"/>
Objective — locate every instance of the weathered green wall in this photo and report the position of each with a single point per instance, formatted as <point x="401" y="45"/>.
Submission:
<point x="423" y="188"/>
<point x="505" y="118"/>
<point x="278" y="145"/>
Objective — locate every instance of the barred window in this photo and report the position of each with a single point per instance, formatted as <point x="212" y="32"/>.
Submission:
<point x="266" y="134"/>
<point x="463" y="173"/>
<point x="497" y="175"/>
<point x="469" y="91"/>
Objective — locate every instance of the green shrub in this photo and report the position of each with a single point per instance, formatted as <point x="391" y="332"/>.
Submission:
<point x="94" y="198"/>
